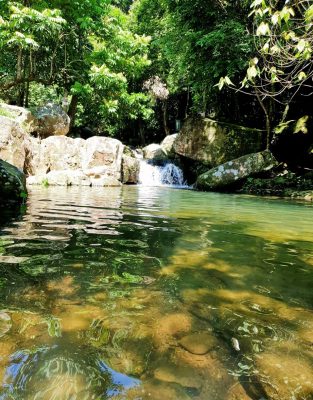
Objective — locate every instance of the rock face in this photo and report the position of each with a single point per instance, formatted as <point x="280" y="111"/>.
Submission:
<point x="64" y="161"/>
<point x="154" y="152"/>
<point x="12" y="142"/>
<point x="21" y="115"/>
<point x="235" y="170"/>
<point x="52" y="121"/>
<point x="12" y="184"/>
<point x="130" y="169"/>
<point x="214" y="143"/>
<point x="167" y="145"/>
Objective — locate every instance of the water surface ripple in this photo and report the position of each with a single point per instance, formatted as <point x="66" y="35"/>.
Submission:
<point x="156" y="293"/>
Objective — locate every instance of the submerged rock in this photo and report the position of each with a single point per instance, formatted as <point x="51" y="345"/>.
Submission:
<point x="229" y="173"/>
<point x="198" y="343"/>
<point x="5" y="323"/>
<point x="213" y="143"/>
<point x="285" y="376"/>
<point x="184" y="376"/>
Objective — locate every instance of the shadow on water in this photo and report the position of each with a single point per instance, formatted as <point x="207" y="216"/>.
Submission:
<point x="155" y="294"/>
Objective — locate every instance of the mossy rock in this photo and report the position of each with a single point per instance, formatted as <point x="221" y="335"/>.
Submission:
<point x="227" y="174"/>
<point x="213" y="143"/>
<point x="12" y="184"/>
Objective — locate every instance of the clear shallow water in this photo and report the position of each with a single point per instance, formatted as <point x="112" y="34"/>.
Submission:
<point x="156" y="293"/>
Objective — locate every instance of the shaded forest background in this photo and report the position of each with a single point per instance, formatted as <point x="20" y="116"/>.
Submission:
<point x="135" y="69"/>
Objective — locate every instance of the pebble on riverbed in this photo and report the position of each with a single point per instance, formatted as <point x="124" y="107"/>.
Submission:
<point x="199" y="343"/>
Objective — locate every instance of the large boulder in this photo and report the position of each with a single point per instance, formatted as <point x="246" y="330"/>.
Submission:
<point x="57" y="153"/>
<point x="103" y="155"/>
<point x="12" y="184"/>
<point x="65" y="161"/>
<point x="130" y="169"/>
<point x="12" y="142"/>
<point x="52" y="121"/>
<point x="154" y="152"/>
<point x="214" y="143"/>
<point x="167" y="145"/>
<point x="229" y="173"/>
<point x="21" y="115"/>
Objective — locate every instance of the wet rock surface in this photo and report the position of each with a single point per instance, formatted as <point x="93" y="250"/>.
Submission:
<point x="12" y="184"/>
<point x="199" y="343"/>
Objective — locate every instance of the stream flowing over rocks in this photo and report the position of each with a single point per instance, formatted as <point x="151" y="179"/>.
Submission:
<point x="37" y="144"/>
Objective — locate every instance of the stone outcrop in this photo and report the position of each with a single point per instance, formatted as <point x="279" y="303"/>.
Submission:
<point x="64" y="161"/>
<point x="21" y="115"/>
<point x="130" y="169"/>
<point x="12" y="142"/>
<point x="154" y="152"/>
<point x="52" y="120"/>
<point x="17" y="145"/>
<point x="167" y="145"/>
<point x="229" y="173"/>
<point x="12" y="184"/>
<point x="214" y="143"/>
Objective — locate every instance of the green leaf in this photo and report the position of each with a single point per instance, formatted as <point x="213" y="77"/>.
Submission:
<point x="263" y="29"/>
<point x="301" y="125"/>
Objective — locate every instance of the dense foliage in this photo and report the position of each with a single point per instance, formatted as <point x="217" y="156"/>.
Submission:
<point x="99" y="58"/>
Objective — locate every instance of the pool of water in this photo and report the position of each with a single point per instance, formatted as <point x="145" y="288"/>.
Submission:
<point x="156" y="293"/>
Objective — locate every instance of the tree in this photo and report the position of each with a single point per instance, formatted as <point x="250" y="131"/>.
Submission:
<point x="282" y="66"/>
<point x="190" y="44"/>
<point x="23" y="32"/>
<point x="117" y="60"/>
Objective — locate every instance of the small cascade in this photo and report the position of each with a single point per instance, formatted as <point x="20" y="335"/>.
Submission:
<point x="166" y="175"/>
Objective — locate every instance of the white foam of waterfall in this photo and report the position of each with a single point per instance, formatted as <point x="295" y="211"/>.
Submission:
<point x="166" y="175"/>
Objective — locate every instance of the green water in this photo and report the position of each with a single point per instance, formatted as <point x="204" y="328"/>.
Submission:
<point x="156" y="293"/>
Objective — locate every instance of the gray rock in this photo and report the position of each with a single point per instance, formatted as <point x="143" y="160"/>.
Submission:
<point x="52" y="121"/>
<point x="12" y="142"/>
<point x="154" y="152"/>
<point x="232" y="171"/>
<point x="21" y="115"/>
<point x="167" y="145"/>
<point x="65" y="161"/>
<point x="130" y="169"/>
<point x="213" y="143"/>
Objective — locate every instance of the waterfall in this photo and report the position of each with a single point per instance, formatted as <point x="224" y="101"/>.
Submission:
<point x="166" y="175"/>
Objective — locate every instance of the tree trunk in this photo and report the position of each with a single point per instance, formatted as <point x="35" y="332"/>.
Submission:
<point x="164" y="109"/>
<point x="19" y="77"/>
<point x="141" y="134"/>
<point x="72" y="110"/>
<point x="267" y="120"/>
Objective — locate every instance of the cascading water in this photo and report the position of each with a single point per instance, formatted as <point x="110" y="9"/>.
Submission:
<point x="166" y="175"/>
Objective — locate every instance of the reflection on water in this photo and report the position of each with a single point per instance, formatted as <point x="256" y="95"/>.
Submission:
<point x="154" y="293"/>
